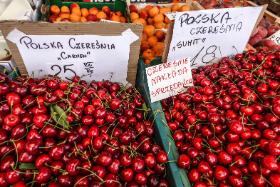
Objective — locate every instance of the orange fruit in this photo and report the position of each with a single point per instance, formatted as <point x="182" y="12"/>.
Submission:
<point x="175" y="7"/>
<point x="152" y="40"/>
<point x="160" y="25"/>
<point x="55" y="9"/>
<point x="76" y="11"/>
<point x="185" y="8"/>
<point x="52" y="18"/>
<point x="164" y="10"/>
<point x="144" y="36"/>
<point x="58" y="19"/>
<point x="160" y="35"/>
<point x="149" y="30"/>
<point x="148" y="7"/>
<point x="115" y="18"/>
<point x="101" y="15"/>
<point x="83" y="19"/>
<point x="144" y="45"/>
<point x="134" y="16"/>
<point x="140" y="21"/>
<point x="65" y="9"/>
<point x="64" y="15"/>
<point x="158" y="48"/>
<point x="158" y="18"/>
<point x="74" y="5"/>
<point x="106" y="10"/>
<point x="148" y="54"/>
<point x="75" y="18"/>
<point x="93" y="11"/>
<point x="143" y="14"/>
<point x="166" y="20"/>
<point x="123" y="19"/>
<point x="84" y="12"/>
<point x="153" y="11"/>
<point x="119" y="13"/>
<point x="150" y="21"/>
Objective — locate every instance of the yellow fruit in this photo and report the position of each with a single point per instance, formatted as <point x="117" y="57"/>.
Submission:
<point x="134" y="16"/>
<point x="153" y="11"/>
<point x="158" y="18"/>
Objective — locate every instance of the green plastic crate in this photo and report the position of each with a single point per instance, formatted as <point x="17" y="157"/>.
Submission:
<point x="118" y="5"/>
<point x="176" y="176"/>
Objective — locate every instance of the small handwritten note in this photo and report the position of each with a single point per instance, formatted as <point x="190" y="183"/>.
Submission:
<point x="169" y="79"/>
<point x="207" y="35"/>
<point x="92" y="57"/>
<point x="275" y="37"/>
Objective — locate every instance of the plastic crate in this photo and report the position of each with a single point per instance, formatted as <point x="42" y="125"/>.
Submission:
<point x="176" y="176"/>
<point x="118" y="5"/>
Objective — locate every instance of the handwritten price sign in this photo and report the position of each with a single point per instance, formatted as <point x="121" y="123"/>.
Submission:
<point x="207" y="35"/>
<point x="275" y="37"/>
<point x="89" y="56"/>
<point x="169" y="79"/>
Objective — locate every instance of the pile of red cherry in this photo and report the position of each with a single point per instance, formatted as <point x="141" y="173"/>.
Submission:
<point x="227" y="127"/>
<point x="69" y="133"/>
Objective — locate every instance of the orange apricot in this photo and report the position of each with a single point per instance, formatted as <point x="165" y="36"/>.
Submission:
<point x="65" y="9"/>
<point x="148" y="54"/>
<point x="64" y="15"/>
<point x="76" y="11"/>
<point x="74" y="5"/>
<point x="160" y="35"/>
<point x="123" y="19"/>
<point x="75" y="18"/>
<point x="153" y="11"/>
<point x="160" y="25"/>
<point x="83" y="19"/>
<point x="119" y="13"/>
<point x="84" y="12"/>
<point x="144" y="36"/>
<point x="134" y="16"/>
<point x="55" y="9"/>
<point x="144" y="45"/>
<point x="150" y="21"/>
<point x="158" y="48"/>
<point x="143" y="14"/>
<point x="148" y="7"/>
<point x="140" y="21"/>
<point x="152" y="40"/>
<point x="93" y="11"/>
<point x="106" y="10"/>
<point x="166" y="20"/>
<point x="115" y="18"/>
<point x="101" y="15"/>
<point x="158" y="18"/>
<point x="149" y="30"/>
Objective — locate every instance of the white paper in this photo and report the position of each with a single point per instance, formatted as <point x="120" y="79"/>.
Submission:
<point x="275" y="37"/>
<point x="169" y="79"/>
<point x="207" y="35"/>
<point x="92" y="57"/>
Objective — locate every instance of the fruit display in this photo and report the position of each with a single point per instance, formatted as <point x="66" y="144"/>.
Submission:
<point x="72" y="133"/>
<point x="74" y="13"/>
<point x="155" y="23"/>
<point x="227" y="126"/>
<point x="264" y="30"/>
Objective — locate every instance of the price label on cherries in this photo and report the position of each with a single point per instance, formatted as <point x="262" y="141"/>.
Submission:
<point x="67" y="56"/>
<point x="207" y="35"/>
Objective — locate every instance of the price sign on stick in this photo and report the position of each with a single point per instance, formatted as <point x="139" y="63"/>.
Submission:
<point x="169" y="79"/>
<point x="92" y="57"/>
<point x="207" y="35"/>
<point x="275" y="37"/>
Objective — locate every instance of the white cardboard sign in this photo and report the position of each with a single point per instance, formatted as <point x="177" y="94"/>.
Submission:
<point x="207" y="35"/>
<point x="89" y="56"/>
<point x="275" y="37"/>
<point x="169" y="79"/>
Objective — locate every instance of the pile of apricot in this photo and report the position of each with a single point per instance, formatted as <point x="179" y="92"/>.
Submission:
<point x="74" y="13"/>
<point x="154" y="21"/>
